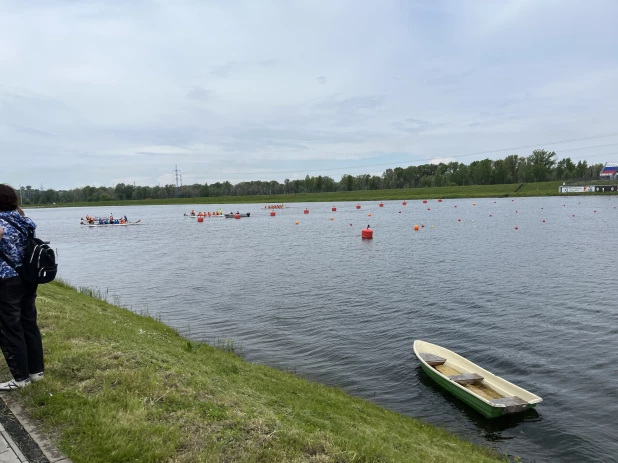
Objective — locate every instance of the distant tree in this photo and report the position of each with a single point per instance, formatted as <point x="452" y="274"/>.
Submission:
<point x="541" y="163"/>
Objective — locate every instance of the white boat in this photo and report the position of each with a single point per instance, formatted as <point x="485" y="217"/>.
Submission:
<point x="487" y="393"/>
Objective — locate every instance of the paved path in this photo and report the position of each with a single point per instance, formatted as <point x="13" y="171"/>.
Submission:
<point x="21" y="441"/>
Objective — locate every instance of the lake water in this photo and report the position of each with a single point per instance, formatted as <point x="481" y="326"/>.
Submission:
<point x="536" y="305"/>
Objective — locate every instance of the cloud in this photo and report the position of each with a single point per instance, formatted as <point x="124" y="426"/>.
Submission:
<point x="253" y="88"/>
<point x="198" y="94"/>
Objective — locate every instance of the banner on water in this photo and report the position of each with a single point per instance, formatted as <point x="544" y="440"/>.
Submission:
<point x="588" y="189"/>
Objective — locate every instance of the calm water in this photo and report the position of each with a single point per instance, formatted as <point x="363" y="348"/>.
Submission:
<point x="536" y="305"/>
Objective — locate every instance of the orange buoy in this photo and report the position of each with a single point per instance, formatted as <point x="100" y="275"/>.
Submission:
<point x="367" y="233"/>
<point x="297" y="222"/>
<point x="334" y="209"/>
<point x="200" y="219"/>
<point x="358" y="206"/>
<point x="237" y="216"/>
<point x="404" y="203"/>
<point x="272" y="213"/>
<point x="306" y="211"/>
<point x="415" y="227"/>
<point x="332" y="218"/>
<point x="381" y="205"/>
<point x="368" y="215"/>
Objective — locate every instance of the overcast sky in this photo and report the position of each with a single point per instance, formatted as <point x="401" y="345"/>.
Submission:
<point x="107" y="91"/>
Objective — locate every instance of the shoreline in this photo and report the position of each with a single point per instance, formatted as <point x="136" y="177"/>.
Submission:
<point x="408" y="194"/>
<point x="124" y="387"/>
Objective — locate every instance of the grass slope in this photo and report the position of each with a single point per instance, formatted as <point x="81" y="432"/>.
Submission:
<point x="476" y="191"/>
<point x="121" y="387"/>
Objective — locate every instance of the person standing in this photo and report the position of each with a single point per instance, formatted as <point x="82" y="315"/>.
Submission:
<point x="20" y="337"/>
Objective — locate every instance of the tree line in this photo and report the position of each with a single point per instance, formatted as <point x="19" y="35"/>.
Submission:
<point x="540" y="166"/>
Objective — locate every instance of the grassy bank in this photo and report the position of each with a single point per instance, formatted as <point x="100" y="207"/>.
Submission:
<point x="121" y="387"/>
<point x="476" y="191"/>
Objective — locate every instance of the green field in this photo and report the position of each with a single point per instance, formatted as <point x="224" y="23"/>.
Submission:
<point x="121" y="387"/>
<point x="477" y="191"/>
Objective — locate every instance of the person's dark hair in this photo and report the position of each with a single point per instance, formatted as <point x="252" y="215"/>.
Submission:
<point x="8" y="198"/>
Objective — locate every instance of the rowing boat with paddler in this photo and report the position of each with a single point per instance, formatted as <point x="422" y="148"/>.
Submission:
<point x="487" y="393"/>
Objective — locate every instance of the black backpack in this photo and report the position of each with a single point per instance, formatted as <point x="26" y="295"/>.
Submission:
<point x="39" y="264"/>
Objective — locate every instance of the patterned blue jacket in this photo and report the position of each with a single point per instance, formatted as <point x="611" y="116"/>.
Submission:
<point x="13" y="242"/>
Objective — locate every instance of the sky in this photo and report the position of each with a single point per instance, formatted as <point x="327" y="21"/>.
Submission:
<point x="99" y="92"/>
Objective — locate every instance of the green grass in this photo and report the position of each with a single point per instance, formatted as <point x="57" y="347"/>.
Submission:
<point x="121" y="387"/>
<point x="476" y="191"/>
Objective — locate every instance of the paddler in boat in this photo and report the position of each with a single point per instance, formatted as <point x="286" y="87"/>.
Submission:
<point x="192" y="213"/>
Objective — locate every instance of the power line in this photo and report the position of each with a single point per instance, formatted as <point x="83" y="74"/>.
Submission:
<point x="454" y="156"/>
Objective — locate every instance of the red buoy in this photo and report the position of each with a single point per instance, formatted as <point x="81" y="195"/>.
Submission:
<point x="334" y="209"/>
<point x="237" y="216"/>
<point x="358" y="206"/>
<point x="404" y="203"/>
<point x="381" y="205"/>
<point x="458" y="220"/>
<point x="439" y="200"/>
<point x="367" y="233"/>
<point x="306" y="211"/>
<point x="200" y="219"/>
<point x="272" y="213"/>
<point x="424" y="201"/>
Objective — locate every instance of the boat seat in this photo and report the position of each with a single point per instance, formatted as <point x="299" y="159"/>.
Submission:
<point x="432" y="360"/>
<point x="466" y="378"/>
<point x="508" y="401"/>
